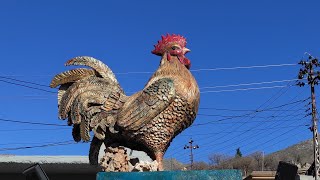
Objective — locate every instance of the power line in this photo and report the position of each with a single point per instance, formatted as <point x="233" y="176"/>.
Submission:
<point x="222" y="132"/>
<point x="194" y="70"/>
<point x="233" y="90"/>
<point x="260" y="139"/>
<point x="272" y="145"/>
<point x="28" y="143"/>
<point x="247" y="137"/>
<point x="30" y="87"/>
<point x="248" y="84"/>
<point x="256" y="135"/>
<point x="251" y="121"/>
<point x="219" y="120"/>
<point x="282" y="127"/>
<point x="29" y="97"/>
<point x="209" y="87"/>
<point x="260" y="117"/>
<point x="28" y="82"/>
<point x="39" y="146"/>
<point x="203" y="92"/>
<point x="270" y="140"/>
<point x="244" y="67"/>
<point x="265" y="103"/>
<point x="218" y="69"/>
<point x="32" y="129"/>
<point x="34" y="123"/>
<point x="243" y="89"/>
<point x="239" y="116"/>
<point x="266" y="109"/>
<point x="266" y="130"/>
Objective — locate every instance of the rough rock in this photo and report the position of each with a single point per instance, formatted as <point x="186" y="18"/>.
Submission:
<point x="115" y="160"/>
<point x="144" y="166"/>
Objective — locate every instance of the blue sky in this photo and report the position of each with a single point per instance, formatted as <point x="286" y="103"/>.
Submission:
<point x="38" y="37"/>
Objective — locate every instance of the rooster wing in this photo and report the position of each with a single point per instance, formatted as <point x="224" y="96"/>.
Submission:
<point x="145" y="105"/>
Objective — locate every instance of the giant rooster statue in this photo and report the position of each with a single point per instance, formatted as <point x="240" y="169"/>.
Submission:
<point x="92" y="99"/>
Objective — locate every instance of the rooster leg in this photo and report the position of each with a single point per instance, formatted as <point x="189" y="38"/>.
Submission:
<point x="94" y="150"/>
<point x="159" y="159"/>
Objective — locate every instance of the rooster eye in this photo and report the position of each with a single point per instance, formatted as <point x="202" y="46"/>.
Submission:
<point x="174" y="47"/>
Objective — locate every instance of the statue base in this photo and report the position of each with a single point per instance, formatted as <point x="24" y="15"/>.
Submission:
<point x="181" y="175"/>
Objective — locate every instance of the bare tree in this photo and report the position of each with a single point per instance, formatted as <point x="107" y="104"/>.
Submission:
<point x="220" y="161"/>
<point x="271" y="163"/>
<point x="257" y="157"/>
<point x="217" y="159"/>
<point x="200" y="165"/>
<point x="244" y="164"/>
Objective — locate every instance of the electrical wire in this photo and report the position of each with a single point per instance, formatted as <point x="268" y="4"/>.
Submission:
<point x="244" y="67"/>
<point x="270" y="140"/>
<point x="247" y="137"/>
<point x="202" y="92"/>
<point x="249" y="84"/>
<point x="27" y="82"/>
<point x="217" y="69"/>
<point x="30" y="87"/>
<point x="39" y="146"/>
<point x="248" y="130"/>
<point x="195" y="70"/>
<point x="243" y="89"/>
<point x="262" y="110"/>
<point x="31" y="129"/>
<point x="33" y="123"/>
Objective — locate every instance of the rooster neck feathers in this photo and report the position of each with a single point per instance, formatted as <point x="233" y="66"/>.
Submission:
<point x="176" y="71"/>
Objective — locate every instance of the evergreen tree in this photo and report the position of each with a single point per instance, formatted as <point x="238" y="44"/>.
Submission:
<point x="238" y="153"/>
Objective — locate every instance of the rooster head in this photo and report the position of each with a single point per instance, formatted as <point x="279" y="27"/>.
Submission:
<point x="173" y="45"/>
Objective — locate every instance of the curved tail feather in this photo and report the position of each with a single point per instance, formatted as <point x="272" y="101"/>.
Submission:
<point x="71" y="76"/>
<point x="84" y="96"/>
<point x="95" y="64"/>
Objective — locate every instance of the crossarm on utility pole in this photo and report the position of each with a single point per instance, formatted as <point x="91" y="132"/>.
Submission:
<point x="191" y="147"/>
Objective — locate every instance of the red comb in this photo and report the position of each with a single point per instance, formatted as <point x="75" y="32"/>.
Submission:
<point x="160" y="48"/>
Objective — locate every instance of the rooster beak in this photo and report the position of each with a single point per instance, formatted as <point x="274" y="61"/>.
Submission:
<point x="186" y="50"/>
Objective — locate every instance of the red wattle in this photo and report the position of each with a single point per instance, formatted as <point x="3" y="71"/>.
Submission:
<point x="185" y="61"/>
<point x="168" y="57"/>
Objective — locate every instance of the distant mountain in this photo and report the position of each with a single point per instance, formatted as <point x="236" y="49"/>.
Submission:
<point x="298" y="153"/>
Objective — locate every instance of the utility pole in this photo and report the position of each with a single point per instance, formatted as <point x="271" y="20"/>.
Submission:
<point x="262" y="165"/>
<point x="191" y="147"/>
<point x="312" y="77"/>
